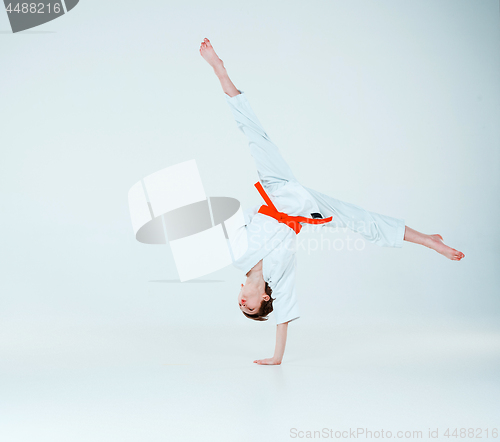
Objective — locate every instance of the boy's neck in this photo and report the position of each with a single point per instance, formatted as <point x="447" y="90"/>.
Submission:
<point x="255" y="278"/>
<point x="255" y="270"/>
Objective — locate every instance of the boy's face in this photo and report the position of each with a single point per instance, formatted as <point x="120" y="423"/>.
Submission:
<point x="250" y="299"/>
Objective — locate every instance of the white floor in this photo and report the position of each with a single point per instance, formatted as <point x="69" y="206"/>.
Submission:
<point x="138" y="383"/>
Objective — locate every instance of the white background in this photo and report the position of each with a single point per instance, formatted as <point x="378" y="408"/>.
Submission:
<point x="391" y="105"/>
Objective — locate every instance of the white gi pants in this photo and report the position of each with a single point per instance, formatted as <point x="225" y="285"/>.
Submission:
<point x="274" y="172"/>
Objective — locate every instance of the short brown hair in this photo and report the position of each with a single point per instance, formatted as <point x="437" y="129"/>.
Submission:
<point x="266" y="307"/>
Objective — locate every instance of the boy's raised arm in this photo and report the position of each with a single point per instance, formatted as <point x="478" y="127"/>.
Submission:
<point x="279" y="350"/>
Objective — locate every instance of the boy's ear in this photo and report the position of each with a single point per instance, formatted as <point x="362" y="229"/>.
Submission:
<point x="265" y="297"/>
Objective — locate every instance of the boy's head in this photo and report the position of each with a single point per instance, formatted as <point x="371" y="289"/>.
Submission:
<point x="255" y="305"/>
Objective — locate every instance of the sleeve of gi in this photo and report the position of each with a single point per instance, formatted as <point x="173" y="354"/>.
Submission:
<point x="271" y="166"/>
<point x="285" y="304"/>
<point x="249" y="213"/>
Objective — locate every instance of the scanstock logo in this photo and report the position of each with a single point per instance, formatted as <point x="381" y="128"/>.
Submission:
<point x="204" y="233"/>
<point x="26" y="15"/>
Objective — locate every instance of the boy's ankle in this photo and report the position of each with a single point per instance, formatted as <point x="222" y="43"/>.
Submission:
<point x="220" y="71"/>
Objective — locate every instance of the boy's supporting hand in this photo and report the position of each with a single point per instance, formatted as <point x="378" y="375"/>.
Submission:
<point x="281" y="330"/>
<point x="268" y="361"/>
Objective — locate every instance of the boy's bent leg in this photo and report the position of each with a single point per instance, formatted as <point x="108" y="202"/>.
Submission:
<point x="382" y="230"/>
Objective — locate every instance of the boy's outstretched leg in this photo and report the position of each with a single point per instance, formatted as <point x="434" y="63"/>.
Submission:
<point x="379" y="229"/>
<point x="208" y="53"/>
<point x="434" y="242"/>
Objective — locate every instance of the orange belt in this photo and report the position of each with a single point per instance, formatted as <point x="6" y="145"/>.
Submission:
<point x="291" y="221"/>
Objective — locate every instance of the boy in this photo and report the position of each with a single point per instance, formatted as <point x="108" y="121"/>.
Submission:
<point x="269" y="259"/>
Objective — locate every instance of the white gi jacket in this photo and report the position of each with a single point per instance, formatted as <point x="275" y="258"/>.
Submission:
<point x="267" y="239"/>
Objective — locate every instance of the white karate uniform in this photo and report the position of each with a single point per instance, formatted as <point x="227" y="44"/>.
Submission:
<point x="274" y="243"/>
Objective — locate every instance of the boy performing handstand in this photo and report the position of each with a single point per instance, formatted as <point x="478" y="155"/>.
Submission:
<point x="270" y="231"/>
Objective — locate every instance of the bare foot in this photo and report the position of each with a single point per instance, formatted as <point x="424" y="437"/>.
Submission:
<point x="436" y="243"/>
<point x="208" y="53"/>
